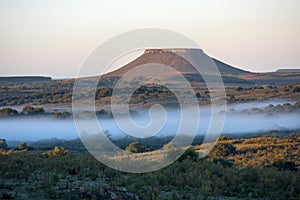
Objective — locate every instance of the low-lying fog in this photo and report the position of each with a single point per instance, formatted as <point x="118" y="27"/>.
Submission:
<point x="31" y="129"/>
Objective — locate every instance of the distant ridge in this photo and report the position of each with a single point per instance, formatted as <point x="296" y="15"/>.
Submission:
<point x="23" y="79"/>
<point x="288" y="70"/>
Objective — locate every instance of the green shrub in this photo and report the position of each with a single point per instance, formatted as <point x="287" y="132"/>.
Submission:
<point x="222" y="138"/>
<point x="296" y="89"/>
<point x="136" y="147"/>
<point x="190" y="153"/>
<point x="29" y="110"/>
<point x="3" y="144"/>
<point x="222" y="149"/>
<point x="56" y="152"/>
<point x="239" y="89"/>
<point x="22" y="146"/>
<point x="8" y="112"/>
<point x="284" y="165"/>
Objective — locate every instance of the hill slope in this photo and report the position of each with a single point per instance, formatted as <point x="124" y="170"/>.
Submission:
<point x="170" y="58"/>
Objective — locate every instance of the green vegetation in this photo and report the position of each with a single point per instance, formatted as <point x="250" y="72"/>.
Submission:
<point x="29" y="110"/>
<point x="222" y="138"/>
<point x="190" y="154"/>
<point x="56" y="152"/>
<point x="253" y="168"/>
<point x="22" y="146"/>
<point x="8" y="112"/>
<point x="222" y="150"/>
<point x="297" y="104"/>
<point x="77" y="175"/>
<point x="62" y="115"/>
<point x="285" y="108"/>
<point x="136" y="147"/>
<point x="3" y="144"/>
<point x="6" y="151"/>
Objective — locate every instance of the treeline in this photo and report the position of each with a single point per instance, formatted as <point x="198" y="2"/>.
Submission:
<point x="273" y="110"/>
<point x="39" y="111"/>
<point x="32" y="112"/>
<point x="27" y="111"/>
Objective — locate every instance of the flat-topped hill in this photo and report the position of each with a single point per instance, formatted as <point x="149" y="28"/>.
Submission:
<point x="174" y="58"/>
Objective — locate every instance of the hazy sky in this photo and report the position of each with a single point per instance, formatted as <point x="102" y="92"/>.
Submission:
<point x="54" y="37"/>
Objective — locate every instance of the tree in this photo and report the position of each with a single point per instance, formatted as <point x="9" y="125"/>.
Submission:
<point x="103" y="113"/>
<point x="3" y="144"/>
<point x="27" y="110"/>
<point x="56" y="152"/>
<point x="296" y="89"/>
<point x="62" y="115"/>
<point x="222" y="138"/>
<point x="136" y="147"/>
<point x="190" y="153"/>
<point x="239" y="88"/>
<point x="222" y="149"/>
<point x="8" y="112"/>
<point x="22" y="146"/>
<point x="285" y="165"/>
<point x="297" y="105"/>
<point x="38" y="110"/>
<point x="169" y="146"/>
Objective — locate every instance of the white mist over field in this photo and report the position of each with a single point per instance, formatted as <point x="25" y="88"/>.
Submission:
<point x="32" y="129"/>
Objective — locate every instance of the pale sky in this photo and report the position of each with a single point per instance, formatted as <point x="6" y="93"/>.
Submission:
<point x="54" y="37"/>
